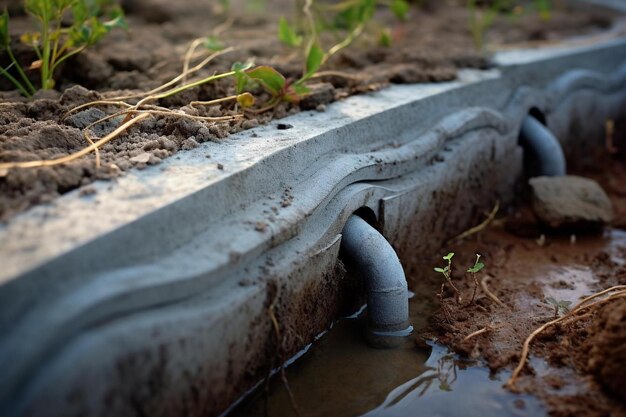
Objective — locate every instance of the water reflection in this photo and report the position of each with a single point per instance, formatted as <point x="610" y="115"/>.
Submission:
<point x="452" y="386"/>
<point x="341" y="376"/>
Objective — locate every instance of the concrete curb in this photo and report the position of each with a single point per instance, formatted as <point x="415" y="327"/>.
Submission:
<point x="166" y="277"/>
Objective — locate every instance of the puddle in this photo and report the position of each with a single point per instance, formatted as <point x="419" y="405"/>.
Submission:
<point x="341" y="376"/>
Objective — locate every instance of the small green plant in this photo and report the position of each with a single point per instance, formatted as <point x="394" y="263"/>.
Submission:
<point x="55" y="42"/>
<point x="447" y="274"/>
<point x="561" y="307"/>
<point x="482" y="17"/>
<point x="348" y="18"/>
<point x="477" y="267"/>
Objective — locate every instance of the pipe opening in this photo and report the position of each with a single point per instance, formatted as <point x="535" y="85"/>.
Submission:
<point x="543" y="154"/>
<point x="371" y="258"/>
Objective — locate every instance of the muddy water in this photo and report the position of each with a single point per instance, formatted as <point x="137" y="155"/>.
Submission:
<point x="341" y="376"/>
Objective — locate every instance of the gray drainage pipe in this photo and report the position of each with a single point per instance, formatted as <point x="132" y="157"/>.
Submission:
<point x="371" y="257"/>
<point x="542" y="148"/>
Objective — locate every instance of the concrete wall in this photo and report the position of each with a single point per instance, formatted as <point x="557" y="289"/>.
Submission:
<point x="161" y="306"/>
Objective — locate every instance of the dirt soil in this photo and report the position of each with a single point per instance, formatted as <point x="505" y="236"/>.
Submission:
<point x="575" y="369"/>
<point x="430" y="47"/>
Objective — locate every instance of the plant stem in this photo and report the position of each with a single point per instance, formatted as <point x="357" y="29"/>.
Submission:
<point x="15" y="82"/>
<point x="186" y="87"/>
<point x="21" y="72"/>
<point x="45" y="64"/>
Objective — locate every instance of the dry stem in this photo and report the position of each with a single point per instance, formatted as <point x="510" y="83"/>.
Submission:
<point x="483" y="285"/>
<point x="583" y="305"/>
<point x="481" y="226"/>
<point x="485" y="329"/>
<point x="75" y="155"/>
<point x="272" y="315"/>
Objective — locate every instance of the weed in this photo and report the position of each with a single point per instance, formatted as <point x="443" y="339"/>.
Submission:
<point x="478" y="266"/>
<point x="561" y="307"/>
<point x="54" y="43"/>
<point x="599" y="299"/>
<point x="481" y="18"/>
<point x="447" y="274"/>
<point x="348" y="17"/>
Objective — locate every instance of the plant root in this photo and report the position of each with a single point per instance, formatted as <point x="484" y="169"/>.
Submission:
<point x="483" y="285"/>
<point x="583" y="305"/>
<point x="474" y="292"/>
<point x="279" y="340"/>
<point x="69" y="158"/>
<point x="446" y="313"/>
<point x="482" y="226"/>
<point x="485" y="329"/>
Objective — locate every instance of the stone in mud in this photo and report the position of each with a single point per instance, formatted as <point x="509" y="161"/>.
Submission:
<point x="570" y="203"/>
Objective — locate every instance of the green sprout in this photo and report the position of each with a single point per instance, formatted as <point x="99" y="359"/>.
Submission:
<point x="481" y="18"/>
<point x="348" y="17"/>
<point x="447" y="273"/>
<point x="478" y="266"/>
<point x="560" y="307"/>
<point x="55" y="42"/>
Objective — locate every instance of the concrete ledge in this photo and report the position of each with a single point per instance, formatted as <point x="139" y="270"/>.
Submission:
<point x="151" y="296"/>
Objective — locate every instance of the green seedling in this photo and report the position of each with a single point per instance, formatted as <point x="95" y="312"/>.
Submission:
<point x="561" y="307"/>
<point x="55" y="42"/>
<point x="478" y="266"/>
<point x="481" y="18"/>
<point x="348" y="17"/>
<point x="447" y="274"/>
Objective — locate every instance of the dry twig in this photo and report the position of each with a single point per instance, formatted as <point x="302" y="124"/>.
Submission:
<point x="572" y="315"/>
<point x="483" y="285"/>
<point x="481" y="226"/>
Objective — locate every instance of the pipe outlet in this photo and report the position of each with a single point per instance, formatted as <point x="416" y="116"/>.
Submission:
<point x="542" y="150"/>
<point x="369" y="254"/>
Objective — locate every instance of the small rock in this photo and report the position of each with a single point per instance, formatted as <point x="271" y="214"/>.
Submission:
<point x="283" y="126"/>
<point x="87" y="191"/>
<point x="570" y="203"/>
<point x="189" y="144"/>
<point x="220" y="166"/>
<point x="142" y="158"/>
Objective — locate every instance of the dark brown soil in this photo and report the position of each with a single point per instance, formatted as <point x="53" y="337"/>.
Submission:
<point x="430" y="47"/>
<point x="575" y="369"/>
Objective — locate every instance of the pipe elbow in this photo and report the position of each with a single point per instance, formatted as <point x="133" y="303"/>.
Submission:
<point x="543" y="149"/>
<point x="373" y="259"/>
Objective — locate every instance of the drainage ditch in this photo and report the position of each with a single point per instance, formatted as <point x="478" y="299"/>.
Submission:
<point x="440" y="371"/>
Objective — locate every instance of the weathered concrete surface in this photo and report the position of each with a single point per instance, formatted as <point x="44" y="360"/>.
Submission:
<point x="571" y="203"/>
<point x="167" y="279"/>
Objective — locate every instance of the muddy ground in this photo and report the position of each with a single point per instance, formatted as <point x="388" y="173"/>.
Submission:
<point x="429" y="47"/>
<point x="575" y="369"/>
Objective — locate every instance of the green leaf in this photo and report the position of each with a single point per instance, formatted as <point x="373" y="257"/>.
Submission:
<point x="552" y="300"/>
<point x="116" y="20"/>
<point x="4" y="28"/>
<point x="212" y="43"/>
<point x="272" y="80"/>
<point x="287" y="34"/>
<point x="314" y="60"/>
<point x="476" y="268"/>
<point x="400" y="8"/>
<point x="301" y="89"/>
<point x="384" y="39"/>
<point x="440" y="270"/>
<point x="449" y="256"/>
<point x="241" y="78"/>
